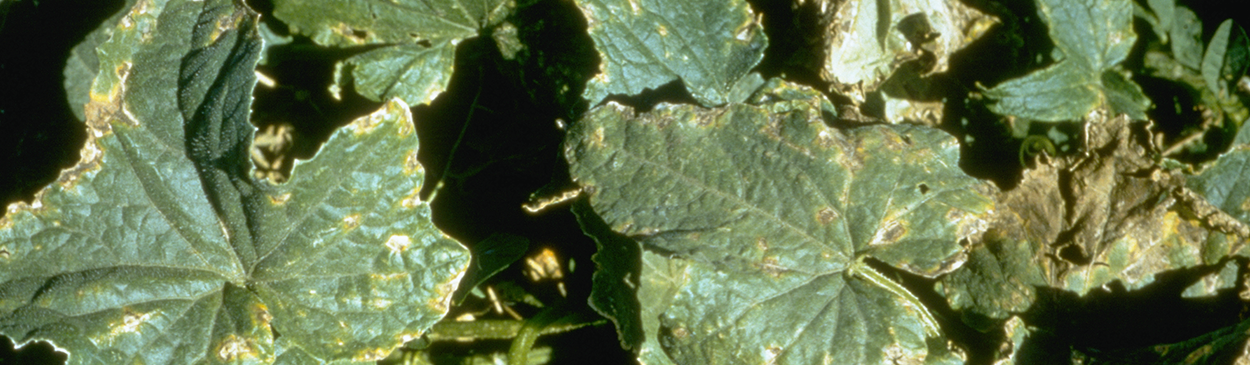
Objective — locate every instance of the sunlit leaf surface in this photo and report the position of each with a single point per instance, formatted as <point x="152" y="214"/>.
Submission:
<point x="710" y="45"/>
<point x="769" y="214"/>
<point x="418" y="37"/>
<point x="159" y="247"/>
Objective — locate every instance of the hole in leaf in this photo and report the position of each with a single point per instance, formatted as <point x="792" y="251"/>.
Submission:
<point x="924" y="189"/>
<point x="1074" y="254"/>
<point x="424" y="42"/>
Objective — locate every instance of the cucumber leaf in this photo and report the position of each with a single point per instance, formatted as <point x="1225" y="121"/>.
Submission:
<point x="771" y="214"/>
<point x="1091" y="37"/>
<point x="1227" y="57"/>
<point x="418" y="39"/>
<point x="867" y="40"/>
<point x="159" y="247"/>
<point x="710" y="45"/>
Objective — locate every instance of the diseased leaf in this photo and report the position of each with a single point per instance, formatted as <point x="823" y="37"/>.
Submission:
<point x="81" y="66"/>
<point x="709" y="44"/>
<point x="771" y="216"/>
<point x="868" y="39"/>
<point x="1091" y="36"/>
<point x="997" y="280"/>
<point x="662" y="277"/>
<point x="420" y="38"/>
<point x="159" y="247"/>
<point x="1211" y="284"/>
<point x="1107" y="215"/>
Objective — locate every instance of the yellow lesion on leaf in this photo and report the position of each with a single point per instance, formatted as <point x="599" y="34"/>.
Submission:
<point x="398" y="243"/>
<point x="235" y="348"/>
<point x="351" y="221"/>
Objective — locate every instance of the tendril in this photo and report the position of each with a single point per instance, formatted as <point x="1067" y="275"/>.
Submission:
<point x="1033" y="145"/>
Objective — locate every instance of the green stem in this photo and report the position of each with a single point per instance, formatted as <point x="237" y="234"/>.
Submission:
<point x="519" y="352"/>
<point x="500" y="329"/>
<point x="1033" y="145"/>
<point x="862" y="270"/>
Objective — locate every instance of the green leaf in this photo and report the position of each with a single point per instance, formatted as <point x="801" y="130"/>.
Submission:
<point x="159" y="247"/>
<point x="1224" y="183"/>
<point x="867" y="40"/>
<point x="997" y="280"/>
<point x="708" y="44"/>
<point x="1056" y="93"/>
<point x="1164" y="11"/>
<point x="773" y="215"/>
<point x="1228" y="55"/>
<point x="81" y="66"/>
<point x="420" y="38"/>
<point x="617" y="269"/>
<point x="1094" y="34"/>
<point x="490" y="256"/>
<point x="1091" y="36"/>
<point x="409" y="72"/>
<point x="1186" y="35"/>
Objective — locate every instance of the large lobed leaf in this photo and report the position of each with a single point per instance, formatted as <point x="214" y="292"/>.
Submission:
<point x="158" y="247"/>
<point x="769" y="213"/>
<point x="418" y="37"/>
<point x="710" y="45"/>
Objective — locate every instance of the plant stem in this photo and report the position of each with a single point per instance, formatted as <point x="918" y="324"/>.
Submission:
<point x="861" y="269"/>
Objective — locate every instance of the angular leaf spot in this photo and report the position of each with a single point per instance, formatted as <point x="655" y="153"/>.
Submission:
<point x="371" y="355"/>
<point x="411" y="164"/>
<point x="234" y="348"/>
<point x="351" y="221"/>
<point x="398" y="243"/>
<point x="412" y="200"/>
<point x="826" y="215"/>
<point x="279" y="199"/>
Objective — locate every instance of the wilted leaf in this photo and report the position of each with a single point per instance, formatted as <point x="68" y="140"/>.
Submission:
<point x="420" y="38"/>
<point x="1092" y="36"/>
<point x="1106" y="215"/>
<point x="159" y="247"/>
<point x="1228" y="55"/>
<point x="770" y="216"/>
<point x="709" y="44"/>
<point x="867" y="39"/>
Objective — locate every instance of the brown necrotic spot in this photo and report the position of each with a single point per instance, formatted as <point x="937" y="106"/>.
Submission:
<point x="826" y="215"/>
